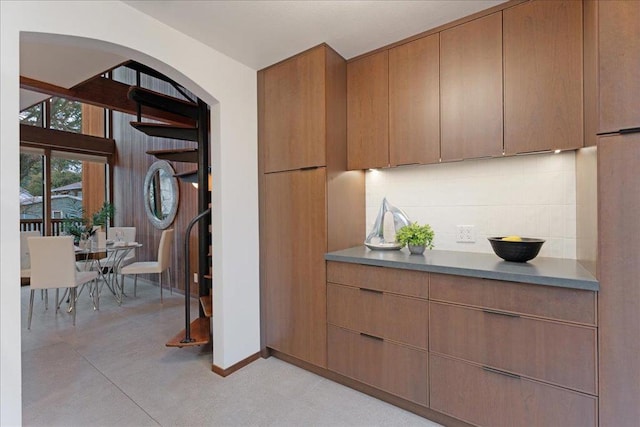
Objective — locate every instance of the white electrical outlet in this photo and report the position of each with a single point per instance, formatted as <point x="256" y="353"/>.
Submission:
<point x="195" y="277"/>
<point x="465" y="234"/>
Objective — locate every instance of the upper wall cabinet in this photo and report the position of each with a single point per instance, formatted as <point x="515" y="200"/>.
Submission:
<point x="294" y="114"/>
<point x="619" y="65"/>
<point x="543" y="76"/>
<point x="414" y="94"/>
<point x="471" y="89"/>
<point x="368" y="112"/>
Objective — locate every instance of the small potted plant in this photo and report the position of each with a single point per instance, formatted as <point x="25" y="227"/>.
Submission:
<point x="416" y="237"/>
<point x="83" y="228"/>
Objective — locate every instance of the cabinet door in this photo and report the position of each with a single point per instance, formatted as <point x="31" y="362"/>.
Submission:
<point x="294" y="112"/>
<point x="368" y="112"/>
<point x="487" y="397"/>
<point x="619" y="296"/>
<point x="555" y="352"/>
<point x="414" y="102"/>
<point x="394" y="368"/>
<point x="471" y="89"/>
<point x="543" y="76"/>
<point x="390" y="280"/>
<point x="397" y="318"/>
<point x="568" y="305"/>
<point x="619" y="61"/>
<point x="295" y="275"/>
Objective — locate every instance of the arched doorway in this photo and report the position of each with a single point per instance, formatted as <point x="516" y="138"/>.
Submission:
<point x="229" y="87"/>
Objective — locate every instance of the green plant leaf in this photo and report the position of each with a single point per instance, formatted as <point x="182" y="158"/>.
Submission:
<point x="416" y="235"/>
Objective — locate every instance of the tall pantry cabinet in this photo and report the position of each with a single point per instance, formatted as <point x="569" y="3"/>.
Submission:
<point x="612" y="109"/>
<point x="309" y="203"/>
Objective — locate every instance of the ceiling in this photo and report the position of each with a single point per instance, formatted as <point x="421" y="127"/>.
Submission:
<point x="61" y="61"/>
<point x="254" y="32"/>
<point x="260" y="33"/>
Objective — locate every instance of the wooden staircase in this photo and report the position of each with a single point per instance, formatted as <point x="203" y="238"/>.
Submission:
<point x="200" y="327"/>
<point x="187" y="155"/>
<point x="196" y="332"/>
<point x="164" y="130"/>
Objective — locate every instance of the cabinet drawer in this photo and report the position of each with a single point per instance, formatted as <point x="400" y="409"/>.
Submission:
<point x="570" y="305"/>
<point x="559" y="353"/>
<point x="381" y="314"/>
<point x="485" y="398"/>
<point x="393" y="368"/>
<point x="404" y="282"/>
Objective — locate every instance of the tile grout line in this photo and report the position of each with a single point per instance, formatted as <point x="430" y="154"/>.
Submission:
<point x="116" y="386"/>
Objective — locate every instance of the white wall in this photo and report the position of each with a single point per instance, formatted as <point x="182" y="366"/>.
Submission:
<point x="227" y="85"/>
<point x="530" y="196"/>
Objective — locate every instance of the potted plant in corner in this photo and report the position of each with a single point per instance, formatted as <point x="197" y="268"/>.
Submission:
<point x="416" y="237"/>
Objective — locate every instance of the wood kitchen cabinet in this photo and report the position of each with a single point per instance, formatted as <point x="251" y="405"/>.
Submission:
<point x="519" y="344"/>
<point x="368" y="112"/>
<point x="376" y="313"/>
<point x="612" y="55"/>
<point x="378" y="323"/>
<point x="487" y="352"/>
<point x="619" y="59"/>
<point x="296" y="237"/>
<point x="546" y="302"/>
<point x="619" y="296"/>
<point x="389" y="366"/>
<point x="543" y="107"/>
<point x="471" y="89"/>
<point x="305" y="210"/>
<point x="414" y="102"/>
<point x="294" y="117"/>
<point x="485" y="397"/>
<point x="505" y="353"/>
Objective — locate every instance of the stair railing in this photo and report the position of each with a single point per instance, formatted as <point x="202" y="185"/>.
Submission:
<point x="187" y="283"/>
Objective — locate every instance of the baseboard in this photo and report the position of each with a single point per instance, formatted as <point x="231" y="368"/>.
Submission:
<point x="231" y="369"/>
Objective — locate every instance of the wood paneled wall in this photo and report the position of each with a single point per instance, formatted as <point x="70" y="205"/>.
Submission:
<point x="93" y="174"/>
<point x="129" y="169"/>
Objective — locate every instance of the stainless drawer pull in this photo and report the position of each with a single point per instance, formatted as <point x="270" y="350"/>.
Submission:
<point x="362" y="334"/>
<point x="500" y="313"/>
<point x="499" y="372"/>
<point x="373" y="291"/>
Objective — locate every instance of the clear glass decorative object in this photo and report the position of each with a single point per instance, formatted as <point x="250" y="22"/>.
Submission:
<point x="390" y="219"/>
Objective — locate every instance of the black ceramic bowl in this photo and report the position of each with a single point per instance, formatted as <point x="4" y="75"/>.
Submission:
<point x="522" y="251"/>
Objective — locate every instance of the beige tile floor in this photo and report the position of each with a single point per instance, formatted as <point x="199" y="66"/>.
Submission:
<point x="113" y="369"/>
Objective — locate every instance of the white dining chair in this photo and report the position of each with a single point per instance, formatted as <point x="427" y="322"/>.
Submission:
<point x="53" y="267"/>
<point x="25" y="261"/>
<point x="128" y="235"/>
<point x="159" y="266"/>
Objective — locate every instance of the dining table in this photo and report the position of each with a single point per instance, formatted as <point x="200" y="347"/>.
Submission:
<point x="106" y="260"/>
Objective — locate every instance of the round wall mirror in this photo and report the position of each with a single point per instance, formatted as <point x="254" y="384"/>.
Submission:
<point x="161" y="194"/>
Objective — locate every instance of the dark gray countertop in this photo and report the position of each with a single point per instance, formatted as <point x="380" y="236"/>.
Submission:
<point x="565" y="273"/>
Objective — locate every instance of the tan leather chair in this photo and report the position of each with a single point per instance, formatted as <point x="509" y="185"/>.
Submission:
<point x="159" y="266"/>
<point x="53" y="266"/>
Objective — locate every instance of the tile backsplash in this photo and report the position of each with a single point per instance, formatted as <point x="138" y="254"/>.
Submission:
<point x="530" y="196"/>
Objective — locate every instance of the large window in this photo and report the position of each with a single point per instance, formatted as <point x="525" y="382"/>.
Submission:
<point x="57" y="185"/>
